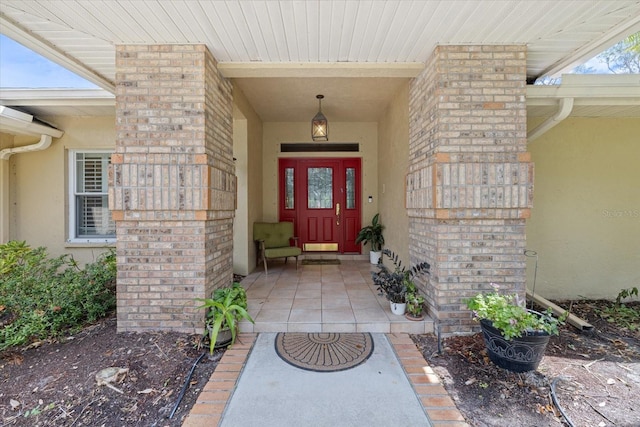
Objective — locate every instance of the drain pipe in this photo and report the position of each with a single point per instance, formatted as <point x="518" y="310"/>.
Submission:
<point x="43" y="144"/>
<point x="564" y="109"/>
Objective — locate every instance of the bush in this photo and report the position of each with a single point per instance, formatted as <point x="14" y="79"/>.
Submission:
<point x="41" y="297"/>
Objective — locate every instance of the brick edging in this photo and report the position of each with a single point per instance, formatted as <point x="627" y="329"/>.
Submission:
<point x="208" y="409"/>
<point x="435" y="400"/>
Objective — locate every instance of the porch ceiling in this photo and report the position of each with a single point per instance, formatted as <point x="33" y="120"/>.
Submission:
<point x="81" y="35"/>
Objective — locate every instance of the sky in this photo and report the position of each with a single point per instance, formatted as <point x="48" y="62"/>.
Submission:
<point x="22" y="68"/>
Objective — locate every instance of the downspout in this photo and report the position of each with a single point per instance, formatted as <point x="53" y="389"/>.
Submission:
<point x="564" y="109"/>
<point x="43" y="144"/>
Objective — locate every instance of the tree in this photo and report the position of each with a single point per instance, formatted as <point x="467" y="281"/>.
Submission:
<point x="624" y="56"/>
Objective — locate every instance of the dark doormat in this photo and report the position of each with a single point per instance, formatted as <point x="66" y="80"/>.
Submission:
<point x="324" y="352"/>
<point x="320" y="262"/>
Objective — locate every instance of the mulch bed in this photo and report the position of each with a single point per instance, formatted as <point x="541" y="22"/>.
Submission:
<point x="53" y="383"/>
<point x="597" y="377"/>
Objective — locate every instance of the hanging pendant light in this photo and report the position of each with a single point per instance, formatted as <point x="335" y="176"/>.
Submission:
<point x="319" y="125"/>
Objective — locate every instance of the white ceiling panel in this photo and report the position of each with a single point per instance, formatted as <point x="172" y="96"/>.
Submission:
<point x="326" y="31"/>
<point x="81" y="35"/>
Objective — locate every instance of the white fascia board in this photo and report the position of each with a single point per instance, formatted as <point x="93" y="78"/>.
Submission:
<point x="319" y="70"/>
<point x="618" y="89"/>
<point x="57" y="97"/>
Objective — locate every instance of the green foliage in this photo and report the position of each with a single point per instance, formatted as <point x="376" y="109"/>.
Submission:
<point x="372" y="234"/>
<point x="225" y="307"/>
<point x="396" y="284"/>
<point x="511" y="318"/>
<point x="622" y="315"/>
<point x="415" y="301"/>
<point x="624" y="56"/>
<point x="41" y="297"/>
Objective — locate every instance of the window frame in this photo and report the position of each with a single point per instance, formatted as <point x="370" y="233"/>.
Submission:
<point x="72" y="199"/>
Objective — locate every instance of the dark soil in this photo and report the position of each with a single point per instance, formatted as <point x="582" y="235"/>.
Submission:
<point x="54" y="383"/>
<point x="596" y="376"/>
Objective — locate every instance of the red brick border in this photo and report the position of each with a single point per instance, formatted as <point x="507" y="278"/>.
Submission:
<point x="213" y="399"/>
<point x="436" y="402"/>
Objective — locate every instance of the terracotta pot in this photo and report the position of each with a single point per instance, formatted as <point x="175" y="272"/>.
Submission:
<point x="410" y="316"/>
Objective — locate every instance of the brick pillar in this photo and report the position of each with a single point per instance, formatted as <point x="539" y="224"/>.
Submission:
<point x="172" y="185"/>
<point x="470" y="180"/>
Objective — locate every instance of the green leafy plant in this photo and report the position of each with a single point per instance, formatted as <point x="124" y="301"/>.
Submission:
<point x="372" y="234"/>
<point x="621" y="314"/>
<point x="415" y="301"/>
<point x="42" y="297"/>
<point x="226" y="306"/>
<point x="509" y="315"/>
<point x="394" y="285"/>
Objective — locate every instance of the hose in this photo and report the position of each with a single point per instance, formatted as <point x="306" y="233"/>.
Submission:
<point x="555" y="401"/>
<point x="186" y="384"/>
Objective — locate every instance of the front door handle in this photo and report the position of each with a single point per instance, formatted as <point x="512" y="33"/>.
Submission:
<point x="337" y="213"/>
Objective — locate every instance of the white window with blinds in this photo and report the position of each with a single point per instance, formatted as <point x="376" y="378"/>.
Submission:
<point x="89" y="217"/>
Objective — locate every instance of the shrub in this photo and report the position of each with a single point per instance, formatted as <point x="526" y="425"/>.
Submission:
<point x="41" y="297"/>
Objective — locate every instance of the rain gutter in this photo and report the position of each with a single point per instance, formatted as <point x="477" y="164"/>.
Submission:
<point x="14" y="121"/>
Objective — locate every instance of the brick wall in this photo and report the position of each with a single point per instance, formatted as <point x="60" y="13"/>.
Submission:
<point x="470" y="180"/>
<point x="172" y="184"/>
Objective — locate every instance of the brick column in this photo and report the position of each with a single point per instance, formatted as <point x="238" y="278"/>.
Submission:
<point x="172" y="185"/>
<point x="470" y="180"/>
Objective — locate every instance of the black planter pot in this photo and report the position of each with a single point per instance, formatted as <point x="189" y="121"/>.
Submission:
<point x="520" y="354"/>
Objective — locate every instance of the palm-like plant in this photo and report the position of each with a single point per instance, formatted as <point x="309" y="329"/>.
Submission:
<point x="225" y="308"/>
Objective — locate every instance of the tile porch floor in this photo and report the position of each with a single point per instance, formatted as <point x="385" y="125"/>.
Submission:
<point x="327" y="298"/>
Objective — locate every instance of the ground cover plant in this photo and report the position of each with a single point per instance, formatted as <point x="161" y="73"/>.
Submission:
<point x="42" y="296"/>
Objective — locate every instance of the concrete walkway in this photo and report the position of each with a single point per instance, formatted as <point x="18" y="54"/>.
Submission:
<point x="252" y="386"/>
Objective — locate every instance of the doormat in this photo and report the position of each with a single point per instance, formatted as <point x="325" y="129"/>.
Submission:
<point x="324" y="352"/>
<point x="320" y="262"/>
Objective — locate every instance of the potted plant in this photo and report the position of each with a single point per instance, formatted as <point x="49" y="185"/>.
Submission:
<point x="226" y="306"/>
<point x="395" y="285"/>
<point x="515" y="337"/>
<point x="415" y="303"/>
<point x="372" y="234"/>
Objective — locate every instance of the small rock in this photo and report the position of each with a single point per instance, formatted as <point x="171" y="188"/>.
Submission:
<point x="14" y="404"/>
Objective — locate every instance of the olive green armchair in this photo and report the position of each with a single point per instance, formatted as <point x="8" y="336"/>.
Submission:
<point x="273" y="240"/>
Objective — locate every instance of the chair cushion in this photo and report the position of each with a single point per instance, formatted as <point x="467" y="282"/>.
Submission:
<point x="274" y="234"/>
<point x="282" y="252"/>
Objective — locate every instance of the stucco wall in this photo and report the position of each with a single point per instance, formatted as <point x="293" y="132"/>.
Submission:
<point x="39" y="186"/>
<point x="364" y="133"/>
<point x="393" y="163"/>
<point x="247" y="149"/>
<point x="585" y="223"/>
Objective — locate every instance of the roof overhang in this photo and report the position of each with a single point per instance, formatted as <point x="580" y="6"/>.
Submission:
<point x="82" y="35"/>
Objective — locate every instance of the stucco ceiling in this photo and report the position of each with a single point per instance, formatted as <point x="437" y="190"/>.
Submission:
<point x="316" y="38"/>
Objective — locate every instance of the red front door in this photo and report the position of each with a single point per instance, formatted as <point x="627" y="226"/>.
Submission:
<point x="322" y="198"/>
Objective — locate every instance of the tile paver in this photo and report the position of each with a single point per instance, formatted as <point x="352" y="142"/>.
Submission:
<point x="319" y="289"/>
